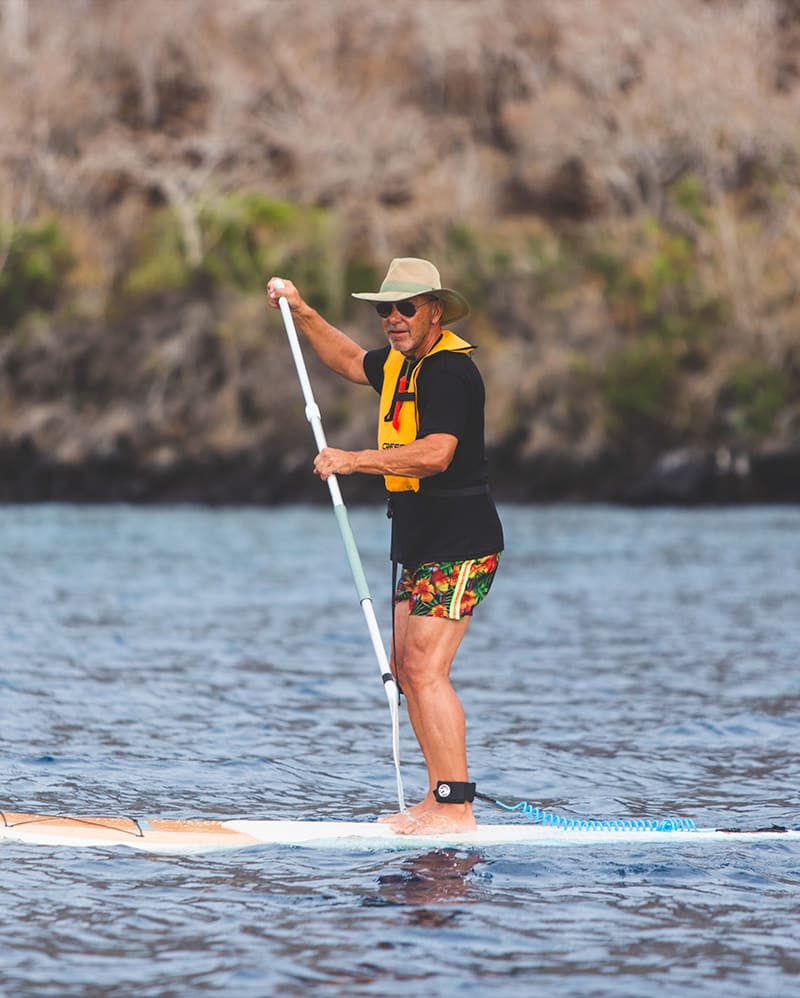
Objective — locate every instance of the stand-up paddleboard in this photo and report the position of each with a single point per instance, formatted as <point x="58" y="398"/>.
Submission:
<point x="167" y="835"/>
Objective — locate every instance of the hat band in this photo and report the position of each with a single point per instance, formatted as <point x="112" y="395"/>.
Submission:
<point x="410" y="286"/>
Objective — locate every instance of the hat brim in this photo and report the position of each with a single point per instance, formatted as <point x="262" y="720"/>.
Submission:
<point x="455" y="306"/>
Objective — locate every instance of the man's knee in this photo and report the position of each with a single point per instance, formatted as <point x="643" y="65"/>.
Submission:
<point x="421" y="673"/>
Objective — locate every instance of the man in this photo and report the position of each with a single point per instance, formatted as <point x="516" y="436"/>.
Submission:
<point x="445" y="528"/>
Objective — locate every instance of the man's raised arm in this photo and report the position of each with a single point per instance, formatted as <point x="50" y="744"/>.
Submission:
<point x="333" y="347"/>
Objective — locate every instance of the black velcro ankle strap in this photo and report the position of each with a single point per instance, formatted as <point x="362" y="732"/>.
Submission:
<point x="453" y="792"/>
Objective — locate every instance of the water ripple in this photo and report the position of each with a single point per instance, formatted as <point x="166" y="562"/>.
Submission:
<point x="186" y="662"/>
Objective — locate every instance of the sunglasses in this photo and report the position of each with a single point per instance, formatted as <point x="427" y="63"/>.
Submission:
<point x="406" y="308"/>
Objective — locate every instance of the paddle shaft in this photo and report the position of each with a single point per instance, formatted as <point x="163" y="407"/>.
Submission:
<point x="353" y="557"/>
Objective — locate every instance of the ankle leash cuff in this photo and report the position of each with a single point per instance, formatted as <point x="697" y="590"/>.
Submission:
<point x="454" y="792"/>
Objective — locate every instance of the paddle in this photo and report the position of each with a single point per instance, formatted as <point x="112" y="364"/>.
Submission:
<point x="353" y="557"/>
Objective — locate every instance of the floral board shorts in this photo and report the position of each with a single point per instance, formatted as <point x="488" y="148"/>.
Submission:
<point x="447" y="588"/>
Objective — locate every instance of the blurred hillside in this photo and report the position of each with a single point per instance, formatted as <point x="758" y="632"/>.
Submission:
<point x="615" y="185"/>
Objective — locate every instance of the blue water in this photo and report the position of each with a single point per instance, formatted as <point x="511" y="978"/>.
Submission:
<point x="185" y="662"/>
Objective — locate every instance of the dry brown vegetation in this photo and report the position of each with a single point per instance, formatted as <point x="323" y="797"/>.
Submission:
<point x="616" y="183"/>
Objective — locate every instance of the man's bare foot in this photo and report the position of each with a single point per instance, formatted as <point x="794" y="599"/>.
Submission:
<point x="401" y="818"/>
<point x="438" y="819"/>
<point x="398" y="821"/>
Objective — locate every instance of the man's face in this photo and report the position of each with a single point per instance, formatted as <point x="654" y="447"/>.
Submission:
<point x="413" y="335"/>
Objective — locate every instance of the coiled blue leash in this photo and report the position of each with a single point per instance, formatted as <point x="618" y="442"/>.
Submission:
<point x="539" y="816"/>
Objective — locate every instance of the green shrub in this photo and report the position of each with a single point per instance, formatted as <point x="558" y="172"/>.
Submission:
<point x="35" y="270"/>
<point x="507" y="271"/>
<point x="653" y="288"/>
<point x="555" y="264"/>
<point x="245" y="237"/>
<point x="638" y="386"/>
<point x="159" y="263"/>
<point x="241" y="235"/>
<point x="754" y="396"/>
<point x="465" y="263"/>
<point x="360" y="275"/>
<point x="688" y="194"/>
<point x="655" y="277"/>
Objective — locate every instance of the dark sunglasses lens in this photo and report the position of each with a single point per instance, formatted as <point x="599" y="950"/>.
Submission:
<point x="406" y="308"/>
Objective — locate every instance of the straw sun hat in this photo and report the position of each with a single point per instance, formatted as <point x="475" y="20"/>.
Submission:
<point x="408" y="276"/>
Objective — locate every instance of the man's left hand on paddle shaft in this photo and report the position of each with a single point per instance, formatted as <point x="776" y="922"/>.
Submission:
<point x="331" y="461"/>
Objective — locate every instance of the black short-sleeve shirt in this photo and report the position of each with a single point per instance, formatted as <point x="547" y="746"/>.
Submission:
<point x="452" y="517"/>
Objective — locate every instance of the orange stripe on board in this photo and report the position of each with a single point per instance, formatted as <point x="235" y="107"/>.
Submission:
<point x="64" y="828"/>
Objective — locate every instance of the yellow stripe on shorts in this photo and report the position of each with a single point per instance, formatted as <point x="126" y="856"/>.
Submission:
<point x="454" y="610"/>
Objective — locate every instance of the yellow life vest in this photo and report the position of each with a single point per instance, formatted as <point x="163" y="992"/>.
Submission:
<point x="398" y="419"/>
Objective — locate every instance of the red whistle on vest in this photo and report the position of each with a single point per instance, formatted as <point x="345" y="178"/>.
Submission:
<point x="400" y="390"/>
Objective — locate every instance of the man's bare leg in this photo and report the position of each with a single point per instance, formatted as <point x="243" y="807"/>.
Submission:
<point x="426" y="647"/>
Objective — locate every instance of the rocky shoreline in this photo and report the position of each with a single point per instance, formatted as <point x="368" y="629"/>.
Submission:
<point x="196" y="401"/>
<point x="262" y="477"/>
<point x="622" y="231"/>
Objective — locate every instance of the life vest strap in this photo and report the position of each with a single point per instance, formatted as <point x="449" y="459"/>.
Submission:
<point x="398" y="423"/>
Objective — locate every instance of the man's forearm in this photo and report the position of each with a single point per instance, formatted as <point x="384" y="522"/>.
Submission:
<point x="333" y="347"/>
<point x="419" y="459"/>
